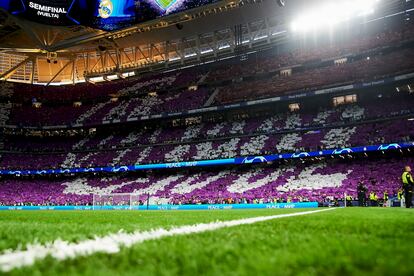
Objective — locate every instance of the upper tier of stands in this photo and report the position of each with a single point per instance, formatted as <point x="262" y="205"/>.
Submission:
<point x="301" y="52"/>
<point x="258" y="77"/>
<point x="369" y="68"/>
<point x="380" y="121"/>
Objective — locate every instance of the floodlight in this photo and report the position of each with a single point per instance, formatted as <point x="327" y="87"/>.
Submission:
<point x="332" y="13"/>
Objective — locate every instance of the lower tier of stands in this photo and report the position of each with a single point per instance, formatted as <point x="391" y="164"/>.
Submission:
<point x="325" y="180"/>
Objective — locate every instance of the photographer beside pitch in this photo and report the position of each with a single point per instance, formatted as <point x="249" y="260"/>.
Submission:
<point x="408" y="184"/>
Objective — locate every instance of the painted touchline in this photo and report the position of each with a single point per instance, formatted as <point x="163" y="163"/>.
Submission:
<point x="112" y="243"/>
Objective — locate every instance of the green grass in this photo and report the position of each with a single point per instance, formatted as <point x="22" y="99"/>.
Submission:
<point x="352" y="241"/>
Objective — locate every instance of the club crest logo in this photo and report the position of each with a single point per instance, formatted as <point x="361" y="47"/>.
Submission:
<point x="105" y="8"/>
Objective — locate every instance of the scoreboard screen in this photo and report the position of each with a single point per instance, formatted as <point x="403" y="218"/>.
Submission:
<point x="100" y="14"/>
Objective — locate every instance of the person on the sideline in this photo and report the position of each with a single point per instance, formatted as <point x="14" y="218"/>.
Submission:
<point x="400" y="197"/>
<point x="348" y="199"/>
<point x="373" y="198"/>
<point x="385" y="199"/>
<point x="408" y="184"/>
<point x="361" y="194"/>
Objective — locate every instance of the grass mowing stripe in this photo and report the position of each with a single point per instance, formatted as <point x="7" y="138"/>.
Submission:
<point x="112" y="243"/>
<point x="19" y="228"/>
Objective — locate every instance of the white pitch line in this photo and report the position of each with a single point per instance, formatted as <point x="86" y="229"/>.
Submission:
<point x="112" y="243"/>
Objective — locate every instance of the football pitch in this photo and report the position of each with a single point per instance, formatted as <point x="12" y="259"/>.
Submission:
<point x="343" y="241"/>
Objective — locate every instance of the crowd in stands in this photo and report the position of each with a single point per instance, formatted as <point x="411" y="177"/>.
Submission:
<point x="300" y="53"/>
<point x="348" y="72"/>
<point x="175" y="101"/>
<point x="320" y="182"/>
<point x="335" y="138"/>
<point x="117" y="106"/>
<point x="364" y="57"/>
<point x="102" y="90"/>
<point x="343" y="126"/>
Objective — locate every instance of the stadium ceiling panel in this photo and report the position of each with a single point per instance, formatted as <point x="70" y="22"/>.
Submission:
<point x="33" y="52"/>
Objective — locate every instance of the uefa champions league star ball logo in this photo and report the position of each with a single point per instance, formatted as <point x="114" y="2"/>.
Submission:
<point x="254" y="159"/>
<point x="105" y="8"/>
<point x="389" y="146"/>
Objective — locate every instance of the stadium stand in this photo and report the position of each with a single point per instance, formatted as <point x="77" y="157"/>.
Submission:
<point x="321" y="181"/>
<point x="102" y="127"/>
<point x="355" y="61"/>
<point x="344" y="126"/>
<point x="206" y="137"/>
<point x="357" y="71"/>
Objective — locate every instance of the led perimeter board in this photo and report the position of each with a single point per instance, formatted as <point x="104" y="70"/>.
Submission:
<point x="100" y="14"/>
